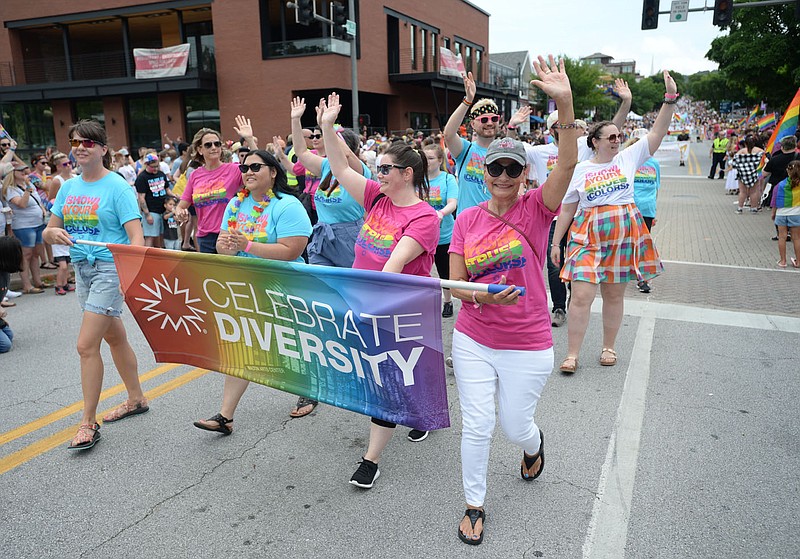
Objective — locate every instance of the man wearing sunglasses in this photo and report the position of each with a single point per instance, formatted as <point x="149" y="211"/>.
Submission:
<point x="7" y="156"/>
<point x="152" y="187"/>
<point x="470" y="156"/>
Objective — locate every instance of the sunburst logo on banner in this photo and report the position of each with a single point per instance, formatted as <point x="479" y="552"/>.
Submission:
<point x="173" y="305"/>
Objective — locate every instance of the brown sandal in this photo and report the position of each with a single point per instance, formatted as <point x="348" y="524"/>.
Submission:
<point x="608" y="361"/>
<point x="569" y="364"/>
<point x="87" y="436"/>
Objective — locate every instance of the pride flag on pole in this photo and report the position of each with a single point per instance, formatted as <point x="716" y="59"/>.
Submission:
<point x="369" y="342"/>
<point x="752" y="114"/>
<point x="3" y="132"/>
<point x="766" y="121"/>
<point x="787" y="125"/>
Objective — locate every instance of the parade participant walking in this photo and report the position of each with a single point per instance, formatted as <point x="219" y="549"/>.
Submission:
<point x="99" y="205"/>
<point x="719" y="148"/>
<point x="502" y="343"/>
<point x="444" y="199"/>
<point x="786" y="213"/>
<point x="212" y="185"/>
<point x="746" y="163"/>
<point x="469" y="156"/>
<point x="152" y="186"/>
<point x="262" y="221"/>
<point x="396" y="210"/>
<point x="609" y="243"/>
<point x="645" y="191"/>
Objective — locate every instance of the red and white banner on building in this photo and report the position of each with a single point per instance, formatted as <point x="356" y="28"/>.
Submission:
<point x="450" y="64"/>
<point x="161" y="63"/>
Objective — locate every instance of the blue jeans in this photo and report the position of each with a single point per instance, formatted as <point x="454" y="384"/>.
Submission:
<point x="6" y="336"/>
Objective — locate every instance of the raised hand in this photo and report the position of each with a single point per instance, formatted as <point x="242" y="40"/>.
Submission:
<point x="469" y="86"/>
<point x="522" y="115"/>
<point x="243" y="127"/>
<point x="298" y="107"/>
<point x="553" y="78"/>
<point x="328" y="111"/>
<point x="622" y="90"/>
<point x="669" y="84"/>
<point x="278" y="144"/>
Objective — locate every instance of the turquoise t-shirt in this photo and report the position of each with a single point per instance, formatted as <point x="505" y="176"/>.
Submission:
<point x="283" y="217"/>
<point x="96" y="211"/>
<point x="645" y="187"/>
<point x="469" y="165"/>
<point x="339" y="206"/>
<point x="444" y="186"/>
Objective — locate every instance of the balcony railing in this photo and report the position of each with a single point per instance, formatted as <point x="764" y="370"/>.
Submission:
<point x="305" y="47"/>
<point x="401" y="62"/>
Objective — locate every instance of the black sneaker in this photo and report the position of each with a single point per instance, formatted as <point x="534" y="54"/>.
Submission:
<point x="447" y="310"/>
<point x="559" y="318"/>
<point x="415" y="435"/>
<point x="644" y="287"/>
<point x="366" y="474"/>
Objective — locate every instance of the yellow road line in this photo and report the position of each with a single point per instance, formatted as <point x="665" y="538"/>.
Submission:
<point x="23" y="430"/>
<point x="48" y="443"/>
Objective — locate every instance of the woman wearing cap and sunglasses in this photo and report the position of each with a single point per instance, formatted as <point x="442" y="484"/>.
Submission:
<point x="609" y="243"/>
<point x="263" y="220"/>
<point x="98" y="205"/>
<point x="502" y="342"/>
<point x="212" y="185"/>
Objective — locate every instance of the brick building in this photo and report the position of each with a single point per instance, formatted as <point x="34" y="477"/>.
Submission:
<point x="247" y="57"/>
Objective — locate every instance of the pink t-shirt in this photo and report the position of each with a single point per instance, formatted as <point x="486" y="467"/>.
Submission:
<point x="386" y="224"/>
<point x="210" y="192"/>
<point x="492" y="249"/>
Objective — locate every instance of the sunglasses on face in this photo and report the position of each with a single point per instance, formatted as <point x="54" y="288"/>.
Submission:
<point x="485" y="119"/>
<point x="255" y="167"/>
<point x="496" y="169"/>
<point x="209" y="145"/>
<point x="67" y="164"/>
<point x="614" y="137"/>
<point x="387" y="168"/>
<point x="5" y="145"/>
<point x="88" y="144"/>
<point x="315" y="136"/>
<point x="41" y="161"/>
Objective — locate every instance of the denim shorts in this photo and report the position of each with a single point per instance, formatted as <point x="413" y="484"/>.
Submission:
<point x="155" y="230"/>
<point x="780" y="221"/>
<point x="97" y="286"/>
<point x="29" y="236"/>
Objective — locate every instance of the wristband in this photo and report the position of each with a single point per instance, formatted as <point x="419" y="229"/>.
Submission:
<point x="555" y="246"/>
<point x="467" y="103"/>
<point x="670" y="101"/>
<point x="475" y="303"/>
<point x="671" y="95"/>
<point x="566" y="126"/>
<point x="511" y="127"/>
<point x="248" y="246"/>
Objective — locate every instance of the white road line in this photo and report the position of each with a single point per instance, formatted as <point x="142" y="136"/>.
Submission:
<point x="785" y="270"/>
<point x="684" y="177"/>
<point x="608" y="528"/>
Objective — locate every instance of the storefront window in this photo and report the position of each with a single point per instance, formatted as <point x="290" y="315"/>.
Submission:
<point x="90" y="110"/>
<point x="202" y="111"/>
<point x="144" y="127"/>
<point x="31" y="125"/>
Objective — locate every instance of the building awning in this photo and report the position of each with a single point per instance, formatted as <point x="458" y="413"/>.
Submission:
<point x="538" y="119"/>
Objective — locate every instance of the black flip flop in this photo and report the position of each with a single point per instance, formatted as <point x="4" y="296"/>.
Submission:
<point x="529" y="462"/>
<point x="474" y="515"/>
<point x="301" y="403"/>
<point x="222" y="424"/>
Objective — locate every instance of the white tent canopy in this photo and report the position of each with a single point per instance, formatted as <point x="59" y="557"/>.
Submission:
<point x="633" y="116"/>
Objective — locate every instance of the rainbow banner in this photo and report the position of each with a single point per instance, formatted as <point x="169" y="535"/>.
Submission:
<point x="3" y="132"/>
<point x="787" y="125"/>
<point x="766" y="121"/>
<point x="365" y="341"/>
<point x="752" y="114"/>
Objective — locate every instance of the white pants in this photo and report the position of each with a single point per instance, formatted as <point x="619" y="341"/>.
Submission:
<point x="518" y="377"/>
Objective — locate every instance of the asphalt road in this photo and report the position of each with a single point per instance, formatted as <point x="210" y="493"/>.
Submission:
<point x="687" y="448"/>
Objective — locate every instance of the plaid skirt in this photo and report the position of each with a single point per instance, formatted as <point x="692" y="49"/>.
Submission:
<point x="610" y="244"/>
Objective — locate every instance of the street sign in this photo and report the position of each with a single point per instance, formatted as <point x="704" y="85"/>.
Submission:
<point x="679" y="10"/>
<point x="351" y="27"/>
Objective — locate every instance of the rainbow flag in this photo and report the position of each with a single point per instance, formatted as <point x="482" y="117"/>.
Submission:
<point x="766" y="121"/>
<point x="787" y="125"/>
<point x="784" y="196"/>
<point x="752" y="114"/>
<point x="741" y="122"/>
<point x="360" y="340"/>
<point x="3" y="132"/>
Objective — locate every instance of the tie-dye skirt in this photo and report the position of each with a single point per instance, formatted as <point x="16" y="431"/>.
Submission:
<point x="610" y="244"/>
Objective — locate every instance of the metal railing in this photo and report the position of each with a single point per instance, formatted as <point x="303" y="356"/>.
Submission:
<point x="304" y="47"/>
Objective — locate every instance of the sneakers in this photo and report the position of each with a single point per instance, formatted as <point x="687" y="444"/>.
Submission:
<point x="559" y="318"/>
<point x="644" y="287"/>
<point x="13" y="294"/>
<point x="447" y="310"/>
<point x="449" y="361"/>
<point x="366" y="474"/>
<point x="415" y="435"/>
<point x="60" y="290"/>
<point x="755" y="210"/>
<point x="683" y="164"/>
<point x="739" y="210"/>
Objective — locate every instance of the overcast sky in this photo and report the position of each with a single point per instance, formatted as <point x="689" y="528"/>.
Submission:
<point x="578" y="28"/>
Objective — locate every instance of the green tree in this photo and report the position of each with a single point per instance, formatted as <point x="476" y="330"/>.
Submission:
<point x="715" y="87"/>
<point x="588" y="90"/>
<point x="648" y="93"/>
<point x="761" y="53"/>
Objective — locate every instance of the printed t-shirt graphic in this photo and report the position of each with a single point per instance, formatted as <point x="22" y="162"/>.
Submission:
<point x="443" y="187"/>
<point x="210" y="192"/>
<point x="600" y="184"/>
<point x="338" y="206"/>
<point x="471" y="186"/>
<point x="645" y="187"/>
<point x="386" y="224"/>
<point x="154" y="188"/>
<point x="543" y="158"/>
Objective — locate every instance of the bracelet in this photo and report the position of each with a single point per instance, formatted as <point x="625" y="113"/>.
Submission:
<point x="670" y="101"/>
<point x="475" y="303"/>
<point x="570" y="125"/>
<point x="671" y="95"/>
<point x="555" y="246"/>
<point x="248" y="246"/>
<point x="467" y="103"/>
<point x="509" y="127"/>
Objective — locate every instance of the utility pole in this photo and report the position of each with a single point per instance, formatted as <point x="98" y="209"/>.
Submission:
<point x="351" y="12"/>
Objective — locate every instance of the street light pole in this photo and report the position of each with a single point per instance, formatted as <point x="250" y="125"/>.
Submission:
<point x="351" y="11"/>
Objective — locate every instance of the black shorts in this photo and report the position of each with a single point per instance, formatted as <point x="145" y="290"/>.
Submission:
<point x="66" y="259"/>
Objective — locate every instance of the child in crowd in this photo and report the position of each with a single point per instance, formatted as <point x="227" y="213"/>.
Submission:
<point x="61" y="257"/>
<point x="171" y="240"/>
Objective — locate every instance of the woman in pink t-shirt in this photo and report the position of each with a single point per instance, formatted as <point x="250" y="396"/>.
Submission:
<point x="502" y="343"/>
<point x="399" y="235"/>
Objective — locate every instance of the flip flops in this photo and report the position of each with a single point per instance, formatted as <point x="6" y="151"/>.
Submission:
<point x="529" y="461"/>
<point x="794" y="263"/>
<point x="303" y="403"/>
<point x="473" y="515"/>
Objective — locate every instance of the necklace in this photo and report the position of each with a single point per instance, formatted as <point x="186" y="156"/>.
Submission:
<point x="248" y="227"/>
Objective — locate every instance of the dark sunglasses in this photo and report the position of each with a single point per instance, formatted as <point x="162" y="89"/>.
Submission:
<point x="496" y="169"/>
<point x="614" y="137"/>
<point x="387" y="168"/>
<point x="255" y="167"/>
<point x="41" y="161"/>
<point x="209" y="145"/>
<point x="315" y="136"/>
<point x="67" y="164"/>
<point x="486" y="119"/>
<point x="5" y="145"/>
<point x="88" y="144"/>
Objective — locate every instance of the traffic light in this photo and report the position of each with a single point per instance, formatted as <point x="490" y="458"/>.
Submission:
<point x="339" y="20"/>
<point x="363" y="120"/>
<point x="650" y="14"/>
<point x="723" y="12"/>
<point x="304" y="11"/>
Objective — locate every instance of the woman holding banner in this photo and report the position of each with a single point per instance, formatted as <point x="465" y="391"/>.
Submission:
<point x="502" y="342"/>
<point x="263" y="220"/>
<point x="396" y="211"/>
<point x="99" y="205"/>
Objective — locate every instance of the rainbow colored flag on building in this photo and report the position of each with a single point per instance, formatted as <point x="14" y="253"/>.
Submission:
<point x="766" y="122"/>
<point x="365" y="341"/>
